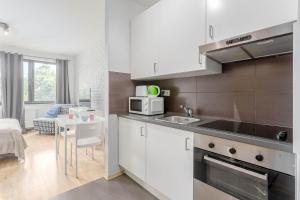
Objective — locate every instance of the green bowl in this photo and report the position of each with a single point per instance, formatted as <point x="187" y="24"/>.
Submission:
<point x="153" y="90"/>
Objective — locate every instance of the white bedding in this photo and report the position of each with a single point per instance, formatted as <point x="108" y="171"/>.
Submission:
<point x="11" y="139"/>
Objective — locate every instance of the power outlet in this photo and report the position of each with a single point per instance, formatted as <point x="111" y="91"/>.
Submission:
<point x="165" y="93"/>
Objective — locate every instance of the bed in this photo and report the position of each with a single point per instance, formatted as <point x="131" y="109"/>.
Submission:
<point x="11" y="139"/>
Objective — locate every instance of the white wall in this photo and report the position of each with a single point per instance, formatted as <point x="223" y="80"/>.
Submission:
<point x="91" y="72"/>
<point x="91" y="63"/>
<point x="120" y="12"/>
<point x="118" y="16"/>
<point x="296" y="101"/>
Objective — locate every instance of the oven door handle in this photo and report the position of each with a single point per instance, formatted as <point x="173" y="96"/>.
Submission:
<point x="239" y="169"/>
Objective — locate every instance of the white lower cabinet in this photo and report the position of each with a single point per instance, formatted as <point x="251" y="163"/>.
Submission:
<point x="169" y="161"/>
<point x="160" y="156"/>
<point x="132" y="147"/>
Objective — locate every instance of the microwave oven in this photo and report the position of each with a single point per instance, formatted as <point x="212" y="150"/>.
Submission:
<point x="146" y="105"/>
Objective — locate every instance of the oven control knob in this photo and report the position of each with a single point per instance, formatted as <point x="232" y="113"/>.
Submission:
<point x="211" y="145"/>
<point x="232" y="150"/>
<point x="259" y="157"/>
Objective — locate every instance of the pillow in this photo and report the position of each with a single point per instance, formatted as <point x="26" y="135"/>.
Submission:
<point x="54" y="110"/>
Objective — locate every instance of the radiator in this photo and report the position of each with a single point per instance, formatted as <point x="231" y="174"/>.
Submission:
<point x="30" y="114"/>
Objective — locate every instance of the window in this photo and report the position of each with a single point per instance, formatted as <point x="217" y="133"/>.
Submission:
<point x="39" y="81"/>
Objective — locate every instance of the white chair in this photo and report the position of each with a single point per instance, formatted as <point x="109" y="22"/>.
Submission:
<point x="86" y="135"/>
<point x="58" y="134"/>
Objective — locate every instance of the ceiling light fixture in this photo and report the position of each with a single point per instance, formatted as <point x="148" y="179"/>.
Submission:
<point x="5" y="28"/>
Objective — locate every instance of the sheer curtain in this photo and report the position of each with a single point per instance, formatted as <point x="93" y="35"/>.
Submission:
<point x="62" y="82"/>
<point x="11" y="65"/>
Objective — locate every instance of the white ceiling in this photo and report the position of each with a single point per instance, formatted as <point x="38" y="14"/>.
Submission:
<point x="146" y="3"/>
<point x="56" y="26"/>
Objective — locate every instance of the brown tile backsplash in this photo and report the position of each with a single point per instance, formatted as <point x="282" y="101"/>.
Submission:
<point x="274" y="108"/>
<point x="237" y="105"/>
<point x="173" y="102"/>
<point x="257" y="91"/>
<point x="120" y="88"/>
<point x="242" y="73"/>
<point x="180" y="85"/>
<point x="275" y="74"/>
<point x="252" y="91"/>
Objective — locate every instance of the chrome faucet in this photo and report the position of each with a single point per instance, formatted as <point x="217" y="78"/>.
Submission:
<point x="187" y="110"/>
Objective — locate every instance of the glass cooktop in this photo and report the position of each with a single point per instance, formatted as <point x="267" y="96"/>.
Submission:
<point x="270" y="132"/>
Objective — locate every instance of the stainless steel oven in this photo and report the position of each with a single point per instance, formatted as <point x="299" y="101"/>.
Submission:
<point x="224" y="177"/>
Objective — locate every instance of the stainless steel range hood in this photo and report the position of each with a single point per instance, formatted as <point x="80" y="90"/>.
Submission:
<point x="272" y="41"/>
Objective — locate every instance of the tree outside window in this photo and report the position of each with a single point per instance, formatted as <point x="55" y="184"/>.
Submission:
<point x="39" y="81"/>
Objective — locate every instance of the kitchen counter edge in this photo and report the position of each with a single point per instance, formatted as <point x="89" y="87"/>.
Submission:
<point x="194" y="127"/>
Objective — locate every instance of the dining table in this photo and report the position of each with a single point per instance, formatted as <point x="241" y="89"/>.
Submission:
<point x="65" y="123"/>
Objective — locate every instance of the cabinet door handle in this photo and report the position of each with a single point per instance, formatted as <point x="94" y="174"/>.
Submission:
<point x="154" y="67"/>
<point x="186" y="144"/>
<point x="200" y="58"/>
<point x="142" y="128"/>
<point x="211" y="31"/>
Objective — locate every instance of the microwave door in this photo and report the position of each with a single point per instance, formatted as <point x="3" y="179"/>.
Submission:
<point x="157" y="106"/>
<point x="136" y="105"/>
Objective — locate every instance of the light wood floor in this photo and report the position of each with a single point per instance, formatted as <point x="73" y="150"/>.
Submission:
<point x="41" y="176"/>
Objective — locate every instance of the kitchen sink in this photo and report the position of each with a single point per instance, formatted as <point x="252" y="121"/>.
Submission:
<point x="179" y="120"/>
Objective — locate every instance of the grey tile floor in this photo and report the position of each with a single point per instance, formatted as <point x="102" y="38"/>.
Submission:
<point x="121" y="188"/>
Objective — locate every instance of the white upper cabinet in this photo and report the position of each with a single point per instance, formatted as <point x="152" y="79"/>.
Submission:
<point x="166" y="38"/>
<point x="144" y="43"/>
<point x="182" y="30"/>
<point x="229" y="18"/>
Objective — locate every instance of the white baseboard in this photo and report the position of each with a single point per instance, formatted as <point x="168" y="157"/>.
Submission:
<point x="120" y="173"/>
